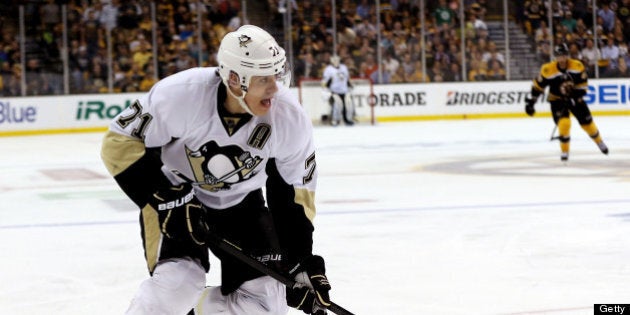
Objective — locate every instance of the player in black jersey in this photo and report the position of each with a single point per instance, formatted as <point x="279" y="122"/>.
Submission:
<point x="567" y="81"/>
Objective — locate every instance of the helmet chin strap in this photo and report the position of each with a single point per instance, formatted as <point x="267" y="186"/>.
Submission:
<point x="240" y="99"/>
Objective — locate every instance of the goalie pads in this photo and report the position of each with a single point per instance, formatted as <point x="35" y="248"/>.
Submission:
<point x="326" y="95"/>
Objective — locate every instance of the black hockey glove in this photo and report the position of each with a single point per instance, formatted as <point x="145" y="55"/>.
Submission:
<point x="181" y="214"/>
<point x="529" y="106"/>
<point x="312" y="297"/>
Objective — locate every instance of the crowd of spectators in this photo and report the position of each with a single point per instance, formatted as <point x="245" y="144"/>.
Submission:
<point x="400" y="41"/>
<point x="129" y="26"/>
<point x="573" y="25"/>
<point x="404" y="58"/>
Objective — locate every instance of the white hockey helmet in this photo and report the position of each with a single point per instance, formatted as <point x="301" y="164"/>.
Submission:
<point x="251" y="51"/>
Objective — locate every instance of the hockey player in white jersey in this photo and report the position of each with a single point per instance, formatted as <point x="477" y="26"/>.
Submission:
<point x="194" y="154"/>
<point x="337" y="80"/>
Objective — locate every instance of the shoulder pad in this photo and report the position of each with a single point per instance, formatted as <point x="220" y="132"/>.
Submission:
<point x="576" y="65"/>
<point x="548" y="69"/>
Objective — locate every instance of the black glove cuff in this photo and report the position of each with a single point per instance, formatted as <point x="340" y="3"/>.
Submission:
<point x="301" y="299"/>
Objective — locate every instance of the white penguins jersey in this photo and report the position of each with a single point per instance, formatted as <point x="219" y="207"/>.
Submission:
<point x="338" y="78"/>
<point x="224" y="154"/>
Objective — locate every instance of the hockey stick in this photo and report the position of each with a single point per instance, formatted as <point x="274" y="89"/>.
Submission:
<point x="553" y="132"/>
<point x="238" y="253"/>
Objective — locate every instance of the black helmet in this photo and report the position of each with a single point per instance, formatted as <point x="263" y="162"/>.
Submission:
<point x="561" y="50"/>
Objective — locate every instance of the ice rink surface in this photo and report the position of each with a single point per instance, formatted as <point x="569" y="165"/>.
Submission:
<point x="439" y="217"/>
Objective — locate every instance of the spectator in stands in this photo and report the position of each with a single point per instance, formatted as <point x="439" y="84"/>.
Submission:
<point x="400" y="76"/>
<point x="496" y="71"/>
<point x="543" y="33"/>
<point x="14" y="86"/>
<point x="622" y="70"/>
<point x="590" y="56"/>
<point x="476" y="72"/>
<point x="581" y="9"/>
<point x="575" y="52"/>
<point x="306" y="67"/>
<point x="437" y="71"/>
<point x="365" y="29"/>
<point x="368" y="66"/>
<point x="407" y="63"/>
<point x="608" y="17"/>
<point x="128" y="17"/>
<point x="441" y="55"/>
<point x="443" y="16"/>
<point x="390" y="63"/>
<point x="557" y="12"/>
<point x="109" y="14"/>
<point x="235" y="22"/>
<point x="381" y="76"/>
<point x="148" y="80"/>
<point x="569" y="21"/>
<point x="418" y="74"/>
<point x="400" y="46"/>
<point x="479" y="25"/>
<point x="610" y="53"/>
<point x="184" y="60"/>
<point x="534" y="14"/>
<point x="543" y="51"/>
<point x="454" y="73"/>
<point x="93" y="11"/>
<point x="617" y="33"/>
<point x="387" y="42"/>
<point x="364" y="9"/>
<point x="6" y="73"/>
<point x="492" y="53"/>
<point x="623" y="51"/>
<point x="37" y="83"/>
<point x="50" y="14"/>
<point x="478" y="8"/>
<point x="143" y="53"/>
<point x="623" y="14"/>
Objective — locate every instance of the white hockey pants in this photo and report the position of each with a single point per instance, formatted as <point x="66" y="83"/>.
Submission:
<point x="260" y="296"/>
<point x="173" y="289"/>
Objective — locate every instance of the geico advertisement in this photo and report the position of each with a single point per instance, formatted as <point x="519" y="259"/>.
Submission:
<point x="61" y="112"/>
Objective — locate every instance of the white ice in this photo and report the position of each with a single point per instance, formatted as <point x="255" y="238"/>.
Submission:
<point x="439" y="217"/>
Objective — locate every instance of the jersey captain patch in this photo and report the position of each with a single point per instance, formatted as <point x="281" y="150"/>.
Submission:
<point x="218" y="168"/>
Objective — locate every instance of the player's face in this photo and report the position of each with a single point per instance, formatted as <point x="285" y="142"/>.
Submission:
<point x="259" y="93"/>
<point x="562" y="60"/>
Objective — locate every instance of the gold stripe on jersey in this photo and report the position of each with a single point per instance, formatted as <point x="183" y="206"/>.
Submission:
<point x="152" y="236"/>
<point x="306" y="199"/>
<point x="119" y="152"/>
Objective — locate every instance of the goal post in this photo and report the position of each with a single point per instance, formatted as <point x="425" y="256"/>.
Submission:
<point x="311" y="95"/>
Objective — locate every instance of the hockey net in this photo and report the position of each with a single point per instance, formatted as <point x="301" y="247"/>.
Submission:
<point x="312" y="98"/>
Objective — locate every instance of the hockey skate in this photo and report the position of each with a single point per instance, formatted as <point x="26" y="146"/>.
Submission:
<point x="564" y="156"/>
<point x="602" y="147"/>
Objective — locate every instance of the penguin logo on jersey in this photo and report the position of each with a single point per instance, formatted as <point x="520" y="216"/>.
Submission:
<point x="218" y="168"/>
